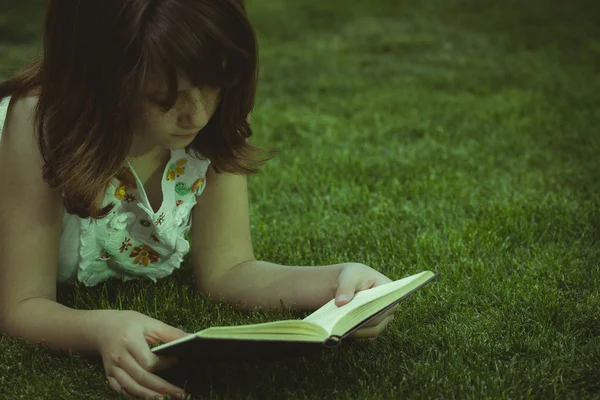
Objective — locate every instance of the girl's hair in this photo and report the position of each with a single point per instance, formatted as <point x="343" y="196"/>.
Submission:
<point x="98" y="56"/>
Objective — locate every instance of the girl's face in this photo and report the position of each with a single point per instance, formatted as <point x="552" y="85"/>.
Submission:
<point x="176" y="128"/>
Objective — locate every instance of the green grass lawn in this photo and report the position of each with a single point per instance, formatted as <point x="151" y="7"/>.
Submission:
<point x="458" y="136"/>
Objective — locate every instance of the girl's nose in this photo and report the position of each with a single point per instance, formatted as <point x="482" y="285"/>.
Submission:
<point x="190" y="113"/>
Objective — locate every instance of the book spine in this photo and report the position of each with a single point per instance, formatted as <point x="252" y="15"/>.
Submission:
<point x="333" y="341"/>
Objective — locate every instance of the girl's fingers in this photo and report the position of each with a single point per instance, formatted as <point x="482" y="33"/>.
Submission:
<point x="112" y="382"/>
<point x="372" y="331"/>
<point x="164" y="363"/>
<point x="381" y="318"/>
<point x="130" y="386"/>
<point x="138" y="381"/>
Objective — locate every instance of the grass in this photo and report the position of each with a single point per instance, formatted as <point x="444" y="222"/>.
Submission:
<point x="457" y="136"/>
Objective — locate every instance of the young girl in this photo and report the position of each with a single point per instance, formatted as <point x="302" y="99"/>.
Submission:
<point x="127" y="134"/>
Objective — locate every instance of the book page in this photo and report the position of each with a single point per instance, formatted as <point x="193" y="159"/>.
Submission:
<point x="287" y="330"/>
<point x="266" y="330"/>
<point x="330" y="314"/>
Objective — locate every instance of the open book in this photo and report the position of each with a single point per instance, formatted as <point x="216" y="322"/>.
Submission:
<point x="326" y="327"/>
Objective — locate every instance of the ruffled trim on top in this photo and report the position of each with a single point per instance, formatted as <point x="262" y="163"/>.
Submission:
<point x="183" y="215"/>
<point x="182" y="247"/>
<point x="91" y="271"/>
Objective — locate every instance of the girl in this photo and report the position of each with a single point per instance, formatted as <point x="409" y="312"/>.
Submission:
<point x="130" y="131"/>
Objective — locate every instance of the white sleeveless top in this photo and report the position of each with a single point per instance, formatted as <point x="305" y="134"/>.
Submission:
<point x="132" y="241"/>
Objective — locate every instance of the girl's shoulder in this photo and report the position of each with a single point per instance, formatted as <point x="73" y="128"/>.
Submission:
<point x="19" y="146"/>
<point x="20" y="156"/>
<point x="20" y="111"/>
<point x="19" y="126"/>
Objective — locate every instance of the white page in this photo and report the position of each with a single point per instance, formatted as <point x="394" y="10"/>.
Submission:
<point x="329" y="315"/>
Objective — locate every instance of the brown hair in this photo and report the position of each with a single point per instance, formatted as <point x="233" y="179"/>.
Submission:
<point x="98" y="56"/>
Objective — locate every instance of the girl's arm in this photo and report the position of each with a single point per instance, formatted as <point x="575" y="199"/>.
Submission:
<point x="223" y="259"/>
<point x="220" y="228"/>
<point x="30" y="230"/>
<point x="60" y="327"/>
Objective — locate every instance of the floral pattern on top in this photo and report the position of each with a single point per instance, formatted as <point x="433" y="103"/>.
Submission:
<point x="104" y="256"/>
<point x="144" y="254"/>
<point x="125" y="245"/>
<point x="197" y="184"/>
<point x="127" y="179"/>
<point x="160" y="219"/>
<point x="176" y="169"/>
<point x="182" y="189"/>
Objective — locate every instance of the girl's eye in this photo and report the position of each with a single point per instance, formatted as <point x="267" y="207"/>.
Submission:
<point x="155" y="100"/>
<point x="161" y="98"/>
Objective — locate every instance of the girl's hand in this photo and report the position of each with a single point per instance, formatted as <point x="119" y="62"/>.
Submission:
<point x="122" y="340"/>
<point x="353" y="278"/>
